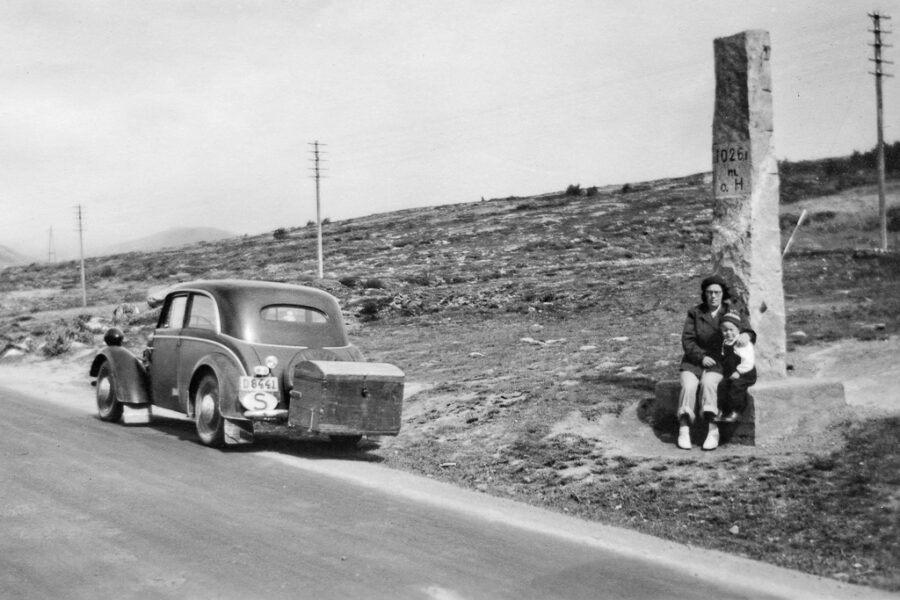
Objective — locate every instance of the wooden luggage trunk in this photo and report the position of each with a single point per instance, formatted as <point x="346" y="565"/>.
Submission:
<point x="346" y="398"/>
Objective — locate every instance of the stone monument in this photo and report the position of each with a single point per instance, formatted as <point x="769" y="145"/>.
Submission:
<point x="746" y="248"/>
<point x="746" y="241"/>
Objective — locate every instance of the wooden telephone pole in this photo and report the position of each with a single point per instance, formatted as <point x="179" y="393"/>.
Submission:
<point x="878" y="45"/>
<point x="51" y="249"/>
<point x="317" y="170"/>
<point x="80" y="217"/>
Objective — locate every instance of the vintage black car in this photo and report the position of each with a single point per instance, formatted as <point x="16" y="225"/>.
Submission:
<point x="230" y="353"/>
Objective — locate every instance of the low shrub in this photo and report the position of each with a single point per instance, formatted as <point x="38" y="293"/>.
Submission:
<point x="57" y="343"/>
<point x="59" y="338"/>
<point x="573" y="190"/>
<point x="370" y="307"/>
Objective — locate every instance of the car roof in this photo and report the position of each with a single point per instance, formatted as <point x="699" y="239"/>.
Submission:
<point x="254" y="291"/>
<point x="240" y="301"/>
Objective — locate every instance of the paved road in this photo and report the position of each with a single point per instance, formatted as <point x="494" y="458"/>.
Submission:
<point x="93" y="510"/>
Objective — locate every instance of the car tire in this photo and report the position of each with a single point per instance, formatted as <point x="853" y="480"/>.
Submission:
<point x="345" y="441"/>
<point x="208" y="418"/>
<point x="108" y="406"/>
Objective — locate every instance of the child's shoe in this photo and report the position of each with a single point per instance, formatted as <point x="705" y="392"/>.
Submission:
<point x="731" y="417"/>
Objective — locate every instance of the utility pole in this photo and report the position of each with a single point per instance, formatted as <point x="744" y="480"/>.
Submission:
<point x="317" y="175"/>
<point x="79" y="216"/>
<point x="878" y="45"/>
<point x="51" y="249"/>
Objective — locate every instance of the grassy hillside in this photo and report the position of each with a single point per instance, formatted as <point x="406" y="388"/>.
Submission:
<point x="533" y="324"/>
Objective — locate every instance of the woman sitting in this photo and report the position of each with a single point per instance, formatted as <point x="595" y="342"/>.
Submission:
<point x="702" y="343"/>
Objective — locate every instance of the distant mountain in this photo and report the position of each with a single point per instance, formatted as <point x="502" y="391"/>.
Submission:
<point x="171" y="238"/>
<point x="10" y="257"/>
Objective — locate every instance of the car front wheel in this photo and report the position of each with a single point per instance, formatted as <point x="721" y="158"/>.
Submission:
<point x="108" y="406"/>
<point x="210" y="425"/>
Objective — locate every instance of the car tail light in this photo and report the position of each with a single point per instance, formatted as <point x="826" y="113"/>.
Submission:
<point x="271" y="362"/>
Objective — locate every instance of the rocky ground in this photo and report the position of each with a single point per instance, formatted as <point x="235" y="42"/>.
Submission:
<point x="533" y="331"/>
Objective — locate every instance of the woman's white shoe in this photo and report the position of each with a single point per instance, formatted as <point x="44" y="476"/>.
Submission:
<point x="684" y="437"/>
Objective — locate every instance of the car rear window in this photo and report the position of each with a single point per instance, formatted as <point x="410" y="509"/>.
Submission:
<point x="287" y="313"/>
<point x="297" y="325"/>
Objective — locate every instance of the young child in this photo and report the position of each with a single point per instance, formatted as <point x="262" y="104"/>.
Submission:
<point x="738" y="368"/>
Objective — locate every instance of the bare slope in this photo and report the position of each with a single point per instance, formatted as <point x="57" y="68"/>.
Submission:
<point x="9" y="257"/>
<point x="535" y="328"/>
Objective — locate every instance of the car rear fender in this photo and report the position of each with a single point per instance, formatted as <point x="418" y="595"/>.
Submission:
<point x="227" y="373"/>
<point x="128" y="374"/>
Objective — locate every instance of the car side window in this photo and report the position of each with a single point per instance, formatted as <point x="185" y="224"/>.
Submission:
<point x="203" y="312"/>
<point x="174" y="316"/>
<point x="288" y="313"/>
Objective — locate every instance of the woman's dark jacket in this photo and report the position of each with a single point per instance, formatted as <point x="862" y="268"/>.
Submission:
<point x="702" y="335"/>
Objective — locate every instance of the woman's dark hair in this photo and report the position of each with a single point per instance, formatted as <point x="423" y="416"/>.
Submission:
<point x="715" y="280"/>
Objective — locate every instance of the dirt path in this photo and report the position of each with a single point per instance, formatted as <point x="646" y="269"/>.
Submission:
<point x="870" y="370"/>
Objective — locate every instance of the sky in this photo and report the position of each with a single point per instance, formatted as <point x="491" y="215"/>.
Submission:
<point x="154" y="114"/>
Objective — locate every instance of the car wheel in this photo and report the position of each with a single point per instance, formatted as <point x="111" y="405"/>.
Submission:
<point x="108" y="406"/>
<point x="345" y="441"/>
<point x="210" y="424"/>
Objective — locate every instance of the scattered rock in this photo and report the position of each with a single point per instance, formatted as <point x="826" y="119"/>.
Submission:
<point x="587" y="348"/>
<point x="476" y="354"/>
<point x="623" y="338"/>
<point x="95" y="325"/>
<point x="734" y="530"/>
<point x="629" y="369"/>
<point x="11" y="352"/>
<point x="798" y="335"/>
<point x="537" y="327"/>
<point x="575" y="473"/>
<point x="506" y="401"/>
<point x="533" y="341"/>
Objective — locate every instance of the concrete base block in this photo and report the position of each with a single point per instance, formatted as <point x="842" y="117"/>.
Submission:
<point x="776" y="409"/>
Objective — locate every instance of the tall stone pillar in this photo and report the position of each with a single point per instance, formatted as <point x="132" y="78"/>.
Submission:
<point x="746" y="242"/>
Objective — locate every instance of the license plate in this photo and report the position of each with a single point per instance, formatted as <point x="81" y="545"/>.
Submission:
<point x="258" y="384"/>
